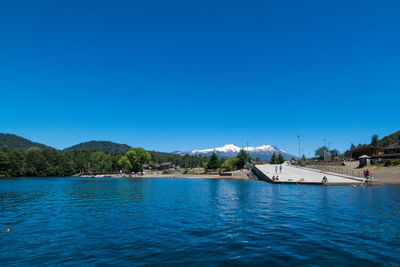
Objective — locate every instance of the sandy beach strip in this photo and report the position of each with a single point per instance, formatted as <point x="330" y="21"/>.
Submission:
<point x="239" y="176"/>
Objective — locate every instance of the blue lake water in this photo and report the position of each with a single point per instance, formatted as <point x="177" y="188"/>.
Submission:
<point x="111" y="221"/>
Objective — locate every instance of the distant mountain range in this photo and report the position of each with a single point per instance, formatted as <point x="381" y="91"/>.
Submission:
<point x="13" y="141"/>
<point x="263" y="152"/>
<point x="104" y="146"/>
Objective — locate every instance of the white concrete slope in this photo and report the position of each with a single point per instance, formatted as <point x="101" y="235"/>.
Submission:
<point x="296" y="175"/>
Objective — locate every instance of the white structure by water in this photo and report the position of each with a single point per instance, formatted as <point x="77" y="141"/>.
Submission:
<point x="298" y="175"/>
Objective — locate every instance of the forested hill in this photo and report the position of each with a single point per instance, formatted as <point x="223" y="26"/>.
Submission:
<point x="387" y="140"/>
<point x="13" y="141"/>
<point x="383" y="142"/>
<point x="103" y="146"/>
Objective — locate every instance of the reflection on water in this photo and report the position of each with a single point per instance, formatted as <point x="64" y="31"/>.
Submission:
<point x="184" y="221"/>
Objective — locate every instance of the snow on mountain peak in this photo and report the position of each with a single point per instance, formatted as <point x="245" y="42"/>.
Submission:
<point x="265" y="151"/>
<point x="232" y="148"/>
<point x="229" y="147"/>
<point x="225" y="148"/>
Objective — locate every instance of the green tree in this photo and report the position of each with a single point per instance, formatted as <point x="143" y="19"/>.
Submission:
<point x="137" y="157"/>
<point x="125" y="164"/>
<point x="334" y="153"/>
<point x="186" y="161"/>
<point x="273" y="159"/>
<point x="36" y="163"/>
<point x="280" y="159"/>
<point x="352" y="147"/>
<point x="4" y="163"/>
<point x="221" y="162"/>
<point x="67" y="165"/>
<point x="52" y="158"/>
<point x="374" y="140"/>
<point x="17" y="162"/>
<point x="390" y="139"/>
<point x="242" y="159"/>
<point x="231" y="163"/>
<point x="213" y="163"/>
<point x="152" y="165"/>
<point x="115" y="156"/>
<point x="322" y="152"/>
<point x="100" y="162"/>
<point x="50" y="155"/>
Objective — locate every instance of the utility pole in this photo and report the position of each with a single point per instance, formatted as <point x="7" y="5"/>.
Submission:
<point x="324" y="149"/>
<point x="299" y="146"/>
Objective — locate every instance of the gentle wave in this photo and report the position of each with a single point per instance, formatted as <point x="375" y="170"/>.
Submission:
<point x="88" y="221"/>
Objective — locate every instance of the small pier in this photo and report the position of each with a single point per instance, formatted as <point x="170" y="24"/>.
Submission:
<point x="299" y="175"/>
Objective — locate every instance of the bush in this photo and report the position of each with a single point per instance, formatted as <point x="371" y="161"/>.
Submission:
<point x="388" y="163"/>
<point x="392" y="162"/>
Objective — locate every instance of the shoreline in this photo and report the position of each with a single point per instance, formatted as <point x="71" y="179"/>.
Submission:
<point x="385" y="175"/>
<point x="178" y="175"/>
<point x="197" y="176"/>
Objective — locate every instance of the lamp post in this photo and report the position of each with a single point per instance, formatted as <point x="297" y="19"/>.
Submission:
<point x="298" y="136"/>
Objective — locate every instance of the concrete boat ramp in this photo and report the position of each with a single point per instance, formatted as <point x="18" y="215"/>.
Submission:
<point x="299" y="175"/>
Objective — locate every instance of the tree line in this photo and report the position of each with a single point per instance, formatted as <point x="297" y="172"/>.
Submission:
<point x="277" y="159"/>
<point x="135" y="158"/>
<point x="50" y="162"/>
<point x="384" y="142"/>
<point x="325" y="153"/>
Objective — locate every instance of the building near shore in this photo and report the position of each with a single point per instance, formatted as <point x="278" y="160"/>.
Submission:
<point x="167" y="166"/>
<point x="366" y="150"/>
<point x="390" y="152"/>
<point x="393" y="148"/>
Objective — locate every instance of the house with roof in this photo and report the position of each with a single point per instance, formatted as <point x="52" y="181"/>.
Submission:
<point x="366" y="150"/>
<point x="166" y="166"/>
<point x="393" y="148"/>
<point x="390" y="152"/>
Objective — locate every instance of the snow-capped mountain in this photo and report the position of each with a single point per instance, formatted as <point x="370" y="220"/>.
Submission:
<point x="264" y="152"/>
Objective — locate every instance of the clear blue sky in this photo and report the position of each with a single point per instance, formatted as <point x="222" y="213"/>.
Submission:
<point x="178" y="75"/>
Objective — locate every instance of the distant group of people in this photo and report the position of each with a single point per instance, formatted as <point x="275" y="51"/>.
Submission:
<point x="367" y="174"/>
<point x="276" y="178"/>
<point x="280" y="169"/>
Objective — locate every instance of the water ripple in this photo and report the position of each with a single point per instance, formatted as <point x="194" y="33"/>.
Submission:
<point x="106" y="221"/>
